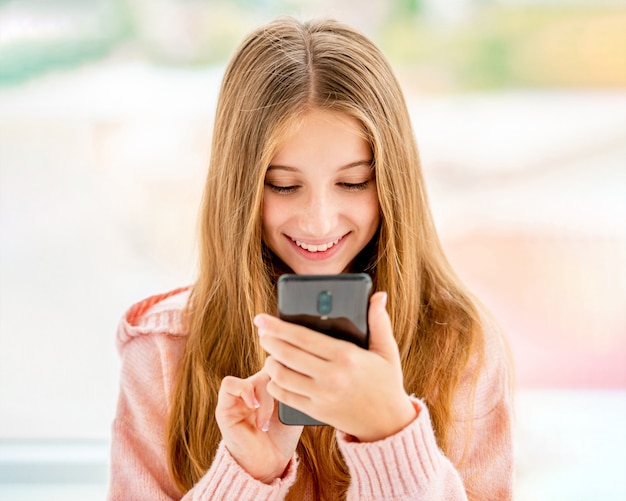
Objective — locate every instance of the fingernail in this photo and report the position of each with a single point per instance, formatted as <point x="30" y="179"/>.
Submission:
<point x="259" y="321"/>
<point x="383" y="299"/>
<point x="256" y="404"/>
<point x="266" y="426"/>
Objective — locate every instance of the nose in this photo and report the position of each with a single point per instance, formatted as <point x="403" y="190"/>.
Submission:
<point x="319" y="214"/>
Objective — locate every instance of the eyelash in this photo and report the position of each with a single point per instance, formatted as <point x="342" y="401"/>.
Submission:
<point x="356" y="186"/>
<point x="285" y="190"/>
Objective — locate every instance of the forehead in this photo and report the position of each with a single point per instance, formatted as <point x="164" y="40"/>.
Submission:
<point x="321" y="133"/>
<point x="293" y="123"/>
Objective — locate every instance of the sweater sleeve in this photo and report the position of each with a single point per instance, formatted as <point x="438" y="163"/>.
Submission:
<point x="410" y="465"/>
<point x="139" y="465"/>
<point x="407" y="465"/>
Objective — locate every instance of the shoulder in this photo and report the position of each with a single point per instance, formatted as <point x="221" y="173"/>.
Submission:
<point x="495" y="384"/>
<point x="496" y="356"/>
<point x="158" y="314"/>
<point x="488" y="378"/>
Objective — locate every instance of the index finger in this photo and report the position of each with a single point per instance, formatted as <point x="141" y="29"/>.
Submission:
<point x="316" y="343"/>
<point x="244" y="389"/>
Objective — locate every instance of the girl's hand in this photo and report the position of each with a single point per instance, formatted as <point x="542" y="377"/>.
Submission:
<point x="359" y="392"/>
<point x="251" y="431"/>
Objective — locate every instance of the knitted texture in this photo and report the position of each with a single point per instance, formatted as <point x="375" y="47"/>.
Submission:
<point x="406" y="466"/>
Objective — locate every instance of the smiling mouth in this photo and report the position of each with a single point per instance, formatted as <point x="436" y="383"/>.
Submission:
<point x="316" y="248"/>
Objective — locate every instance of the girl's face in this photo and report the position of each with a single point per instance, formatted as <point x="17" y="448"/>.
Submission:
<point x="320" y="205"/>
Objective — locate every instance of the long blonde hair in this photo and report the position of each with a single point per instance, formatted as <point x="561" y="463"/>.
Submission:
<point x="279" y="71"/>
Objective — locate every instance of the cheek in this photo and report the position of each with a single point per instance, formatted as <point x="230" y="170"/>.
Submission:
<point x="371" y="212"/>
<point x="266" y="221"/>
<point x="270" y="216"/>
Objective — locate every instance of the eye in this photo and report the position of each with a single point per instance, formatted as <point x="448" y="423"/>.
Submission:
<point x="284" y="190"/>
<point x="355" y="186"/>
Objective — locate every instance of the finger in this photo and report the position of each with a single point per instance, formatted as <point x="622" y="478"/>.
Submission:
<point x="266" y="402"/>
<point x="315" y="343"/>
<point x="295" y="400"/>
<point x="292" y="357"/>
<point x="287" y="379"/>
<point x="234" y="389"/>
<point x="381" y="333"/>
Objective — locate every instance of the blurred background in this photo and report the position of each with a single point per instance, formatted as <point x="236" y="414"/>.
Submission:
<point x="106" y="110"/>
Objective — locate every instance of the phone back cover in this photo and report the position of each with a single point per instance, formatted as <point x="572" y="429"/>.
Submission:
<point x="298" y="303"/>
<point x="347" y="320"/>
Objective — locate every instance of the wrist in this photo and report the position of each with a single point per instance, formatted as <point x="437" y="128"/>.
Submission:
<point x="395" y="419"/>
<point x="279" y="473"/>
<point x="260" y="470"/>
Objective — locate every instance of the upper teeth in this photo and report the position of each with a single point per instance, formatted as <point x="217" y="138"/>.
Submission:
<point x="316" y="248"/>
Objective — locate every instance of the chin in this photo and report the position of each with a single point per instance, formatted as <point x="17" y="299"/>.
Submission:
<point x="318" y="270"/>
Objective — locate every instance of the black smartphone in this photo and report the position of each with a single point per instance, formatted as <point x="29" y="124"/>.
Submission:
<point x="335" y="305"/>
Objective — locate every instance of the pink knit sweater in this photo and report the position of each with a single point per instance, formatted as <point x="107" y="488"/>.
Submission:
<point x="405" y="466"/>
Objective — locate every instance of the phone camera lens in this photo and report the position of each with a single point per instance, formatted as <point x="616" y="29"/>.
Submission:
<point x="324" y="303"/>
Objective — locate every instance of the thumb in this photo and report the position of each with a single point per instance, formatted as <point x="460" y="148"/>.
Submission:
<point x="381" y="334"/>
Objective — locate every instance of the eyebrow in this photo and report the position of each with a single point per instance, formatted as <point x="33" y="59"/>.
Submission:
<point x="358" y="163"/>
